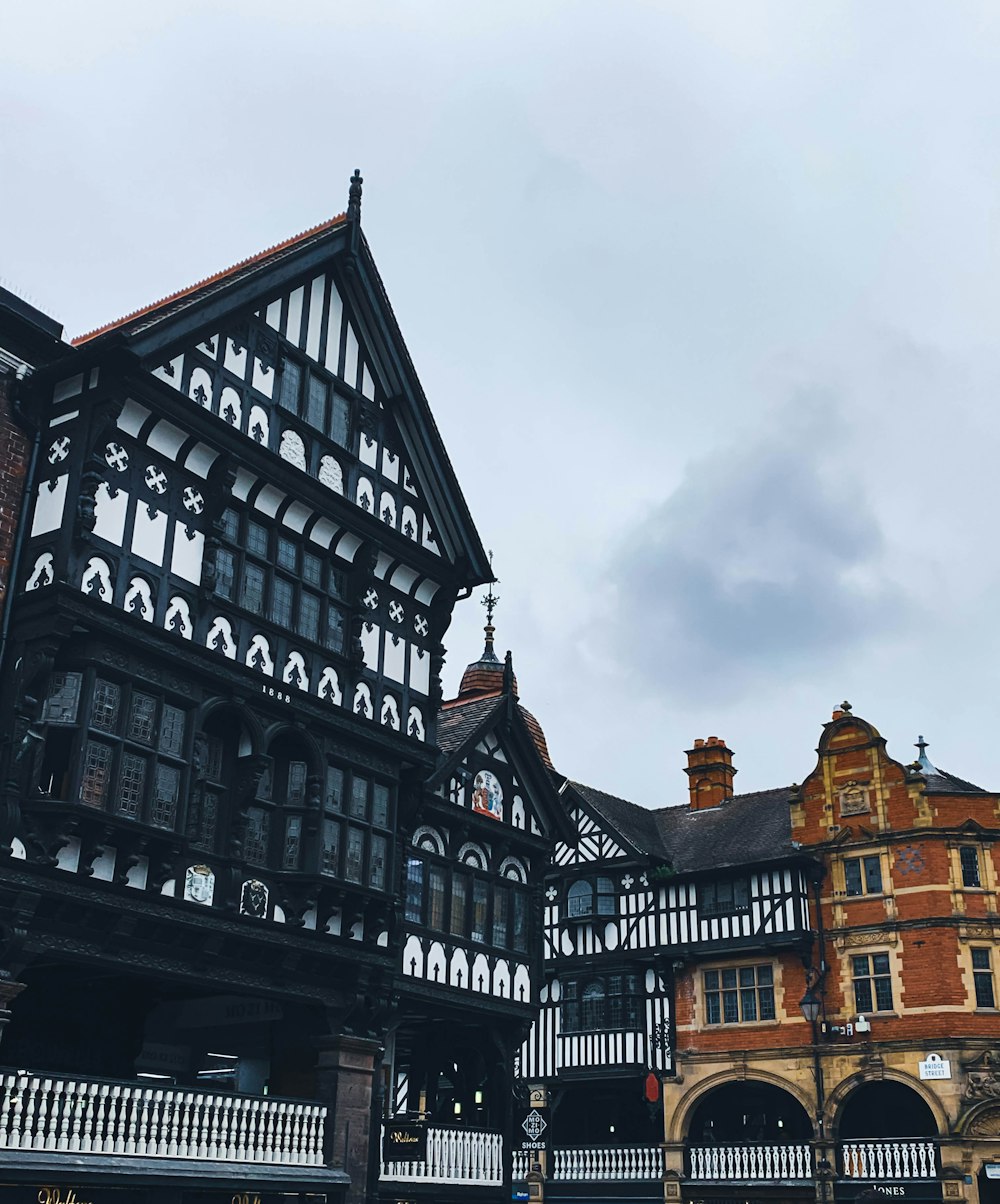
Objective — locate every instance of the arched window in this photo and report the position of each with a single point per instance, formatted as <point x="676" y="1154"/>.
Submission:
<point x="592" y="1006"/>
<point x="580" y="899"/>
<point x="586" y="898"/>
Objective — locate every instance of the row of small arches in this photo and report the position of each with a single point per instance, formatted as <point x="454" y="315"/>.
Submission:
<point x="97" y="582"/>
<point x="471" y="853"/>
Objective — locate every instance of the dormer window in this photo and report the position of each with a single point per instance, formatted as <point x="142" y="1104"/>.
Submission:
<point x="588" y="898"/>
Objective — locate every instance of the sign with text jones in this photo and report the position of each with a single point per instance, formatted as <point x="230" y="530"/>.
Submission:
<point x="404" y="1143"/>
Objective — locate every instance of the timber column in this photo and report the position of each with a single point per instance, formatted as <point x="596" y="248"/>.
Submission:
<point x="345" y="1072"/>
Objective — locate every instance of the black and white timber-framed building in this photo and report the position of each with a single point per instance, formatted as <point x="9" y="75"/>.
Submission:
<point x="228" y="796"/>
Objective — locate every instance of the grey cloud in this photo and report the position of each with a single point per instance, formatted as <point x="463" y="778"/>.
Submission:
<point x="767" y="556"/>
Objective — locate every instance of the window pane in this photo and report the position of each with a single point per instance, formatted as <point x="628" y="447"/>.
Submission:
<point x="281" y="602"/>
<point x="766" y="997"/>
<point x="291" y="381"/>
<point x="64" y="698"/>
<point x="435" y="898"/>
<point x="316" y="403"/>
<point x="765" y="974"/>
<point x="984" y="991"/>
<point x="414" y="890"/>
<point x="376" y="863"/>
<point x="747" y="978"/>
<point x="459" y="894"/>
<point x="852" y="876"/>
<point x="166" y="790"/>
<point x="96" y="774"/>
<point x="355" y="854"/>
<point x="141" y="717"/>
<point x="255" y="839"/>
<point x="287" y="554"/>
<point x="225" y="573"/>
<point x="231" y="525"/>
<point x="880" y="963"/>
<point x="312" y="569"/>
<point x="340" y="421"/>
<point x="863" y="994"/>
<point x="380" y="805"/>
<point x="359" y="798"/>
<point x="970" y="865"/>
<point x="309" y="616"/>
<point x="334" y="789"/>
<point x="873" y="875"/>
<point x="730" y="1007"/>
<point x="104" y="714"/>
<point x="172" y="731"/>
<point x="334" y="629"/>
<point x="500" y="916"/>
<point x="741" y="895"/>
<point x="980" y="959"/>
<point x="713" y="1009"/>
<point x="253" y="589"/>
<point x="293" y="842"/>
<point x="859" y="966"/>
<point x="296" y="793"/>
<point x="330" y="860"/>
<point x="520" y="921"/>
<point x="580" y="899"/>
<point x="729" y="978"/>
<point x="131" y="782"/>
<point x="257" y="539"/>
<point x="748" y="1002"/>
<point x="883" y="994"/>
<point x="479" y="909"/>
<point x="711" y="980"/>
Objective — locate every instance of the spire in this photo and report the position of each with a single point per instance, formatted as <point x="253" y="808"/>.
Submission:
<point x="490" y="602"/>
<point x="923" y="760"/>
<point x="509" y="680"/>
<point x="354" y="197"/>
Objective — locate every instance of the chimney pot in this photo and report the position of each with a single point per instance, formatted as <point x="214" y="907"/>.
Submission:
<point x="838" y="714"/>
<point x="699" y="743"/>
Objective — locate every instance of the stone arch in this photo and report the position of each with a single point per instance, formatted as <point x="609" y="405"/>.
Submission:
<point x="840" y="1096"/>
<point x="254" y="738"/>
<point x="425" y="837"/>
<point x="680" y="1120"/>
<point x="981" y="1120"/>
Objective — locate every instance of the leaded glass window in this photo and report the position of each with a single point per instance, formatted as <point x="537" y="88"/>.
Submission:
<point x="293" y="842"/>
<point x="172" y="731"/>
<point x="163" y="810"/>
<point x="141" y="718"/>
<point x="104" y="710"/>
<point x="63" y="701"/>
<point x="131" y="784"/>
<point x="256" y="835"/>
<point x="96" y="774"/>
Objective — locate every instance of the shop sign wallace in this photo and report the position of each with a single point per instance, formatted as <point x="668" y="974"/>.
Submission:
<point x="404" y="1143"/>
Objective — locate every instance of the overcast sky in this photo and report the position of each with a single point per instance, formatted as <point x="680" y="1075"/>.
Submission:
<point x="705" y="297"/>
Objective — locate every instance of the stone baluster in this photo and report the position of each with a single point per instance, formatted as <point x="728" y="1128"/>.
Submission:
<point x="116" y="1120"/>
<point x="16" y="1124"/>
<point x="45" y="1125"/>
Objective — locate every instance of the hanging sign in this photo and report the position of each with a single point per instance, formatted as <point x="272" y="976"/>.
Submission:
<point x="534" y="1126"/>
<point x="404" y="1143"/>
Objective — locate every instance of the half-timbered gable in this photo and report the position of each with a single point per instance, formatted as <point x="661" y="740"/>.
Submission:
<point x="244" y="542"/>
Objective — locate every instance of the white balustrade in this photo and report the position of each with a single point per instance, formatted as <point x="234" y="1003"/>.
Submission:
<point x="763" y="1163"/>
<point x="592" y="1164"/>
<point x="453" y="1156"/>
<point x="889" y="1160"/>
<point x="522" y="1164"/>
<point x="43" y="1112"/>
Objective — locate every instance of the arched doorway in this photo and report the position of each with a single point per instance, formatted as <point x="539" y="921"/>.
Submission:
<point x="886" y="1131"/>
<point x="750" y="1132"/>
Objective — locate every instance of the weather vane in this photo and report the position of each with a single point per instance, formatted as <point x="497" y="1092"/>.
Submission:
<point x="491" y="599"/>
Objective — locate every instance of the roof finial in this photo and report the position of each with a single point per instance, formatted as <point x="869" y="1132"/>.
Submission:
<point x="920" y="745"/>
<point x="354" y="197"/>
<point x="490" y="602"/>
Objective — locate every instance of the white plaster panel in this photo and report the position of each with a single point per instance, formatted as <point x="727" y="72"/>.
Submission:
<point x="369" y="642"/>
<point x="368" y="385"/>
<point x="296" y="516"/>
<point x="368" y="451"/>
<point x="68" y="857"/>
<point x="273" y="315"/>
<point x="420" y="669"/>
<point x="188" y="552"/>
<point x="268" y="500"/>
<point x="243" y="484"/>
<point x="351" y="357"/>
<point x="323" y="532"/>
<point x="103" y="866"/>
<point x="333" y="325"/>
<point x="348" y="545"/>
<point x="166" y="438"/>
<point x="263" y="378"/>
<point x="394" y="660"/>
<point x="149" y="533"/>
<point x="49" y="504"/>
<point x="171" y="372"/>
<point x="236" y="359"/>
<point x="68" y="388"/>
<point x="200" y="388"/>
<point x="132" y="417"/>
<point x="403" y="578"/>
<point x="200" y="459"/>
<point x="409" y="524"/>
<point x="315" y="317"/>
<point x="67" y="417"/>
<point x="138" y="873"/>
<point x="382" y="565"/>
<point x="426" y="591"/>
<point x="293" y="326"/>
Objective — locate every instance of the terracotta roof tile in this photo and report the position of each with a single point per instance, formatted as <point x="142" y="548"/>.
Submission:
<point x="214" y="279"/>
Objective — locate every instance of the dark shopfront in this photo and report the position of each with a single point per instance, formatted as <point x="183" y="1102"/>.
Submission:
<point x="869" y="1191"/>
<point x="130" y="1185"/>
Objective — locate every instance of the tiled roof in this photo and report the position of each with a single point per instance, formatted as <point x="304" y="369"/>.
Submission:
<point x="185" y="296"/>
<point x="747" y="828"/>
<point x="942" y="782"/>
<point x="459" y="720"/>
<point x="637" y="824"/>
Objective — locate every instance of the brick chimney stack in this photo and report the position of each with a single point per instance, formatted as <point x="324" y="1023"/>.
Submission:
<point x="710" y="773"/>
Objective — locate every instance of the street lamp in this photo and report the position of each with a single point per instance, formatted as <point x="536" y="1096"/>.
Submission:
<point x="811" y="1006"/>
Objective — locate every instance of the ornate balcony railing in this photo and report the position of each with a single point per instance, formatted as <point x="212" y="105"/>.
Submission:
<point x="101" y="1116"/>
<point x="454" y="1156"/>
<point x="595" y="1163"/>
<point x="762" y="1163"/>
<point x="888" y="1160"/>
